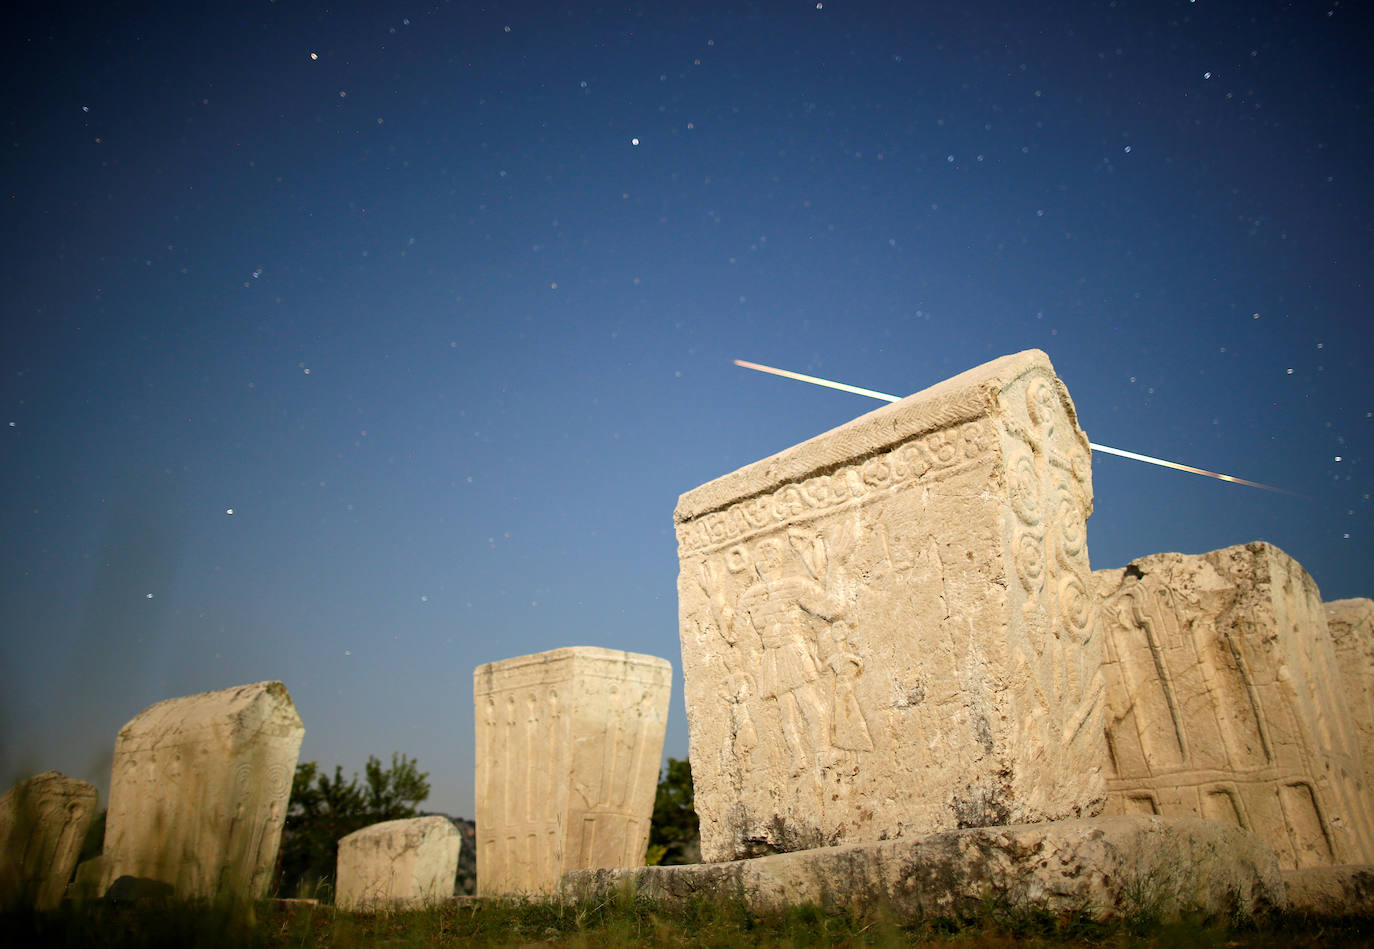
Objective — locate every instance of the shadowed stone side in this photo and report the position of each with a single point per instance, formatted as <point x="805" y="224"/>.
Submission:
<point x="1351" y="623"/>
<point x="1106" y="868"/>
<point x="42" y="823"/>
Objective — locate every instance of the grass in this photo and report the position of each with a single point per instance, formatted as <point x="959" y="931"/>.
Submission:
<point x="625" y="921"/>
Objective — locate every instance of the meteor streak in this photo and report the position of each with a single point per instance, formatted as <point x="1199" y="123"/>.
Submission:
<point x="1134" y="456"/>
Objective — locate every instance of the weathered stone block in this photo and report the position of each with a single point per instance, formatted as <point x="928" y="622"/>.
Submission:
<point x="199" y="788"/>
<point x="1351" y="623"/>
<point x="398" y="863"/>
<point x="1103" y="868"/>
<point x="1220" y="702"/>
<point x="43" y="822"/>
<point x="887" y="630"/>
<point x="568" y="750"/>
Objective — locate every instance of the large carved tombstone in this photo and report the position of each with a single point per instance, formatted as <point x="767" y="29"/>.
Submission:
<point x="43" y="822"/>
<point x="568" y="750"/>
<point x="199" y="789"/>
<point x="1351" y="623"/>
<point x="1223" y="702"/>
<point x="886" y="630"/>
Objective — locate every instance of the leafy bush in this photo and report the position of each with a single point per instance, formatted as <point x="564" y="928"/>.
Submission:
<point x="674" y="837"/>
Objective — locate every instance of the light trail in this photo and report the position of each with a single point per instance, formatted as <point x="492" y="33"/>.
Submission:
<point x="1134" y="456"/>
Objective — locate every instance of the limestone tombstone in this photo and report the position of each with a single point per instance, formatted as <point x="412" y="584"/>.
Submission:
<point x="398" y="863"/>
<point x="43" y="822"/>
<point x="568" y="751"/>
<point x="1220" y="702"/>
<point x="199" y="790"/>
<point x="1351" y="623"/>
<point x="887" y="629"/>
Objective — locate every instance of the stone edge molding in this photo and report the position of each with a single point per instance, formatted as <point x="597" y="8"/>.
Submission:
<point x="1107" y="868"/>
<point x="712" y="514"/>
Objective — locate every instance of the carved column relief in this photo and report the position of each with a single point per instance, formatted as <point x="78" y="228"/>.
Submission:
<point x="571" y="783"/>
<point x="1218" y="669"/>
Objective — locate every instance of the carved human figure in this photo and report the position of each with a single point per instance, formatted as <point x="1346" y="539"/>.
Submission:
<point x="780" y="607"/>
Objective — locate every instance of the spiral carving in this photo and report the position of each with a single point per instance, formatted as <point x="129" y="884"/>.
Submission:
<point x="1025" y="490"/>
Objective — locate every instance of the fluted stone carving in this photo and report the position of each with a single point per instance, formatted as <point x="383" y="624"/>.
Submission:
<point x="1223" y="702"/>
<point x="568" y="750"/>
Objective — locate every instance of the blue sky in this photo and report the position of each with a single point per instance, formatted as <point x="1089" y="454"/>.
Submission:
<point x="442" y="304"/>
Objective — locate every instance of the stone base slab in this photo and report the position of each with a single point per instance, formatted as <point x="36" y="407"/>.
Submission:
<point x="1331" y="891"/>
<point x="1106" y="868"/>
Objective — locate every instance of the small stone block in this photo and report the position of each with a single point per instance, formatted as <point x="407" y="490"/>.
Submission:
<point x="568" y="750"/>
<point x="199" y="789"/>
<point x="887" y="630"/>
<point x="411" y="862"/>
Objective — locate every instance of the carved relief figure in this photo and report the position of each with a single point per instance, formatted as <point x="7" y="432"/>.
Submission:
<point x="808" y="675"/>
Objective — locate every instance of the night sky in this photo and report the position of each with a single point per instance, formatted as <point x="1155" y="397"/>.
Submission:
<point x="358" y="345"/>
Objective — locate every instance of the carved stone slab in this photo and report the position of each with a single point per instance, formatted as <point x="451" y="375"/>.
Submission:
<point x="1351" y="623"/>
<point x="1103" y="868"/>
<point x="1222" y="702"/>
<point x="398" y="863"/>
<point x="568" y="750"/>
<point x="887" y="630"/>
<point x="199" y="788"/>
<point x="43" y="822"/>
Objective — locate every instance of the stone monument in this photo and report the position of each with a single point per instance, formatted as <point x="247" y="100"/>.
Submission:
<point x="568" y="751"/>
<point x="887" y="630"/>
<point x="43" y="822"/>
<point x="398" y="863"/>
<point x="199" y="789"/>
<point x="1221" y="702"/>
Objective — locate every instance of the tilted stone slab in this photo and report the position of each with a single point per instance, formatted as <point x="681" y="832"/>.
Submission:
<point x="410" y="862"/>
<point x="568" y="750"/>
<point x="1104" y="868"/>
<point x="1351" y="623"/>
<point x="887" y="629"/>
<point x="199" y="789"/>
<point x="43" y="822"/>
<point x="1220" y="702"/>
